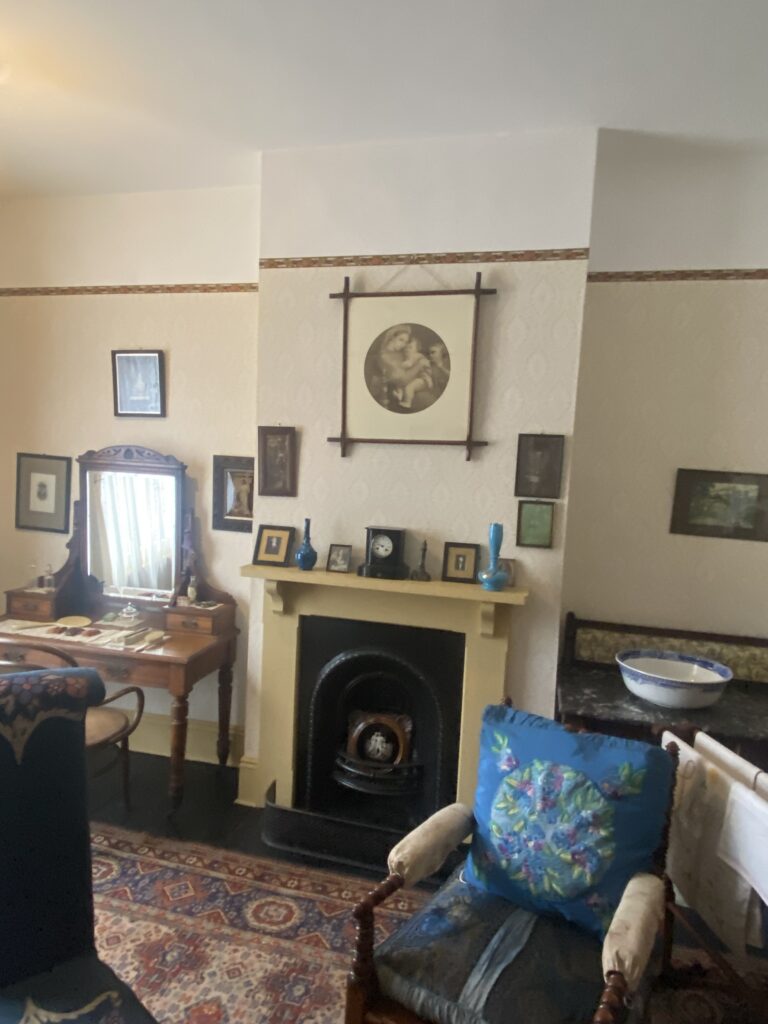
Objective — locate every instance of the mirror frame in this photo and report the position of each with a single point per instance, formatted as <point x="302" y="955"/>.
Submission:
<point x="130" y="458"/>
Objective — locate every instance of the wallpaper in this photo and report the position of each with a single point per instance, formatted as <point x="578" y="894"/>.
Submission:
<point x="527" y="363"/>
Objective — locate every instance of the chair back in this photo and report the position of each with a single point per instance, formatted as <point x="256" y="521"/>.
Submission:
<point x="46" y="903"/>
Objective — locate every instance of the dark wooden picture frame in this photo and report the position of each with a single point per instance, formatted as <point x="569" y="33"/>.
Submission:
<point x="461" y="562"/>
<point x="535" y="524"/>
<point x="273" y="545"/>
<point x="233" y="490"/>
<point x="278" y="462"/>
<point x="445" y="371"/>
<point x="713" y="503"/>
<point x="539" y="465"/>
<point x="339" y="558"/>
<point x="43" y="487"/>
<point x="138" y="382"/>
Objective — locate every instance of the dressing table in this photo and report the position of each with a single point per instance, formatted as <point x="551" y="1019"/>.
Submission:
<point x="131" y="545"/>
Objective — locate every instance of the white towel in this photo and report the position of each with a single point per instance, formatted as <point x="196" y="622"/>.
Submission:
<point x="710" y="885"/>
<point x="744" y="838"/>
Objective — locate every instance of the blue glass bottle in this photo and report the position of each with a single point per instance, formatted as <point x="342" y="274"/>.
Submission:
<point x="494" y="577"/>
<point x="306" y="556"/>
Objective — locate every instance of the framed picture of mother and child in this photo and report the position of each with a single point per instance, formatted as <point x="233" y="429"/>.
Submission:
<point x="408" y="366"/>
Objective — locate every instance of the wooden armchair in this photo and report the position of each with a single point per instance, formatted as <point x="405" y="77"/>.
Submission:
<point x="617" y="970"/>
<point x="104" y="726"/>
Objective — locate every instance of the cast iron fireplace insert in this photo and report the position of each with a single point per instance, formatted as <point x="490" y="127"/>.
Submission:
<point x="377" y="737"/>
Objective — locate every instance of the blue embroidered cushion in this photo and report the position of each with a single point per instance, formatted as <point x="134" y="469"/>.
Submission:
<point x="563" y="820"/>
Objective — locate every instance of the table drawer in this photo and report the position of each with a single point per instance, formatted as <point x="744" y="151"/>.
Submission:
<point x="187" y="621"/>
<point x="114" y="668"/>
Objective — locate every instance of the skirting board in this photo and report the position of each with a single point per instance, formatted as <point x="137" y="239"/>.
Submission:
<point x="153" y="736"/>
<point x="251" y="787"/>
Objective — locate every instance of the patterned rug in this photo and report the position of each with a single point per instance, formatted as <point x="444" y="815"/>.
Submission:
<point x="206" y="936"/>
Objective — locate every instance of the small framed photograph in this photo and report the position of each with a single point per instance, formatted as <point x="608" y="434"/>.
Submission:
<point x="42" y="492"/>
<point x="273" y="545"/>
<point x="233" y="480"/>
<point x="460" y="562"/>
<point x="709" y="503"/>
<point x="138" y="382"/>
<point x="277" y="461"/>
<point x="539" y="465"/>
<point x="534" y="524"/>
<point x="339" y="558"/>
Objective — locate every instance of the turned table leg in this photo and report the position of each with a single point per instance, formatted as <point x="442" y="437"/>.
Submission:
<point x="179" y="709"/>
<point x="225" y="707"/>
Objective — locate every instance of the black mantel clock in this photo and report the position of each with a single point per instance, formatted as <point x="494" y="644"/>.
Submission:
<point x="384" y="550"/>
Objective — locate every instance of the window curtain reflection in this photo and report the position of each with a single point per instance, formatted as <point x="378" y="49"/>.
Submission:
<point x="132" y="529"/>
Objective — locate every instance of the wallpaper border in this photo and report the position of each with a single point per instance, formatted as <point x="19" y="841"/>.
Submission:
<point x="130" y="289"/>
<point x="617" y="276"/>
<point x="494" y="256"/>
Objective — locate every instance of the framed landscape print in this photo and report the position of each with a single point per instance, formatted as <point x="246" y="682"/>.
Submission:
<point x="460" y="562"/>
<point x="408" y="366"/>
<point x="42" y="492"/>
<point x="534" y="524"/>
<point x="138" y="382"/>
<point x="539" y="465"/>
<point x="710" y="503"/>
<point x="233" y="479"/>
<point x="273" y="545"/>
<point x="277" y="462"/>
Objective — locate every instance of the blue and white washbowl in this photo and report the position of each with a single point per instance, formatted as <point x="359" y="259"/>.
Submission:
<point x="673" y="680"/>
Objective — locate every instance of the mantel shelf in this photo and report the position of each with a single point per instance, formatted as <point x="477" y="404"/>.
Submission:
<point x="351" y="581"/>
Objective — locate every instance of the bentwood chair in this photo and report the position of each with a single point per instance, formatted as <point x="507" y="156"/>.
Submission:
<point x="576" y="825"/>
<point x="104" y="726"/>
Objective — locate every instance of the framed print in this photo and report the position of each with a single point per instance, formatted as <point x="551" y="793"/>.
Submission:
<point x="339" y="558"/>
<point x="273" y="545"/>
<point x="539" y="465"/>
<point x="42" y="492"/>
<point x="233" y="493"/>
<point x="709" y="503"/>
<point x="138" y="382"/>
<point x="460" y="562"/>
<point x="534" y="524"/>
<point x="277" y="461"/>
<point x="408" y="366"/>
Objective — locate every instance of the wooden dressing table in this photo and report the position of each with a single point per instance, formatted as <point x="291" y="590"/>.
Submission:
<point x="197" y="640"/>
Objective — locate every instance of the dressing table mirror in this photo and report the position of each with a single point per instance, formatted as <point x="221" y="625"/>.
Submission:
<point x="130" y="563"/>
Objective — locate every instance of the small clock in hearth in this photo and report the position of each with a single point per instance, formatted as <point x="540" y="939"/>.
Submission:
<point x="384" y="550"/>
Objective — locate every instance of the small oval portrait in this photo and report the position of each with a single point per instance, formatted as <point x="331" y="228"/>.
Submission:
<point x="407" y="368"/>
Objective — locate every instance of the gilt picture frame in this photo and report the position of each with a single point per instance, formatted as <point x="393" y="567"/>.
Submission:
<point x="713" y="503"/>
<point x="233" y="489"/>
<point x="138" y="382"/>
<point x="408" y="366"/>
<point x="43" y="485"/>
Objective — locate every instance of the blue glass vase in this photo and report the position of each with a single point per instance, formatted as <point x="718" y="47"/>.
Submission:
<point x="494" y="577"/>
<point x="306" y="556"/>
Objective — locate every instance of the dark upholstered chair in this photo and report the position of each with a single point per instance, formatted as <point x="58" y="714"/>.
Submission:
<point x="104" y="726"/>
<point x="49" y="970"/>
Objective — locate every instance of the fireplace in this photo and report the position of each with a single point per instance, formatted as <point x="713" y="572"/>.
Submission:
<point x="379" y="707"/>
<point x="370" y="698"/>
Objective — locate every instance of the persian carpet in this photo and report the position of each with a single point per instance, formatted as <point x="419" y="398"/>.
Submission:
<point x="205" y="936"/>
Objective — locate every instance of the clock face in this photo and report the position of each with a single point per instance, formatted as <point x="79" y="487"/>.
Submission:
<point x="381" y="545"/>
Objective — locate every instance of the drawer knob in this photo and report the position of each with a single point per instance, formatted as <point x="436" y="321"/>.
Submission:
<point x="189" y="623"/>
<point x="14" y="656"/>
<point x="118" y="670"/>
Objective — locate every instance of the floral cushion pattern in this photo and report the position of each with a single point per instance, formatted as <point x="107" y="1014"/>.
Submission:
<point x="564" y="819"/>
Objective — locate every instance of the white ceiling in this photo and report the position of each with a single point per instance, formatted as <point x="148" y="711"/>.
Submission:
<point x="129" y="95"/>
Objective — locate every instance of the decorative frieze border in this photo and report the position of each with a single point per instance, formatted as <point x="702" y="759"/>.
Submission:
<point x="616" y="276"/>
<point x="131" y="289"/>
<point x="393" y="259"/>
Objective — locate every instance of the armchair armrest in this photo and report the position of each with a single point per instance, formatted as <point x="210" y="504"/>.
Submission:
<point x="424" y="849"/>
<point x="629" y="940"/>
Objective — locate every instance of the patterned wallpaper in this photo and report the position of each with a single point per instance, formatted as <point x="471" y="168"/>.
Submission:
<point x="527" y="362"/>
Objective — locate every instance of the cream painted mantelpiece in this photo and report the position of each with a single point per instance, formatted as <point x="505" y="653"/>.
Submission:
<point x="482" y="616"/>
